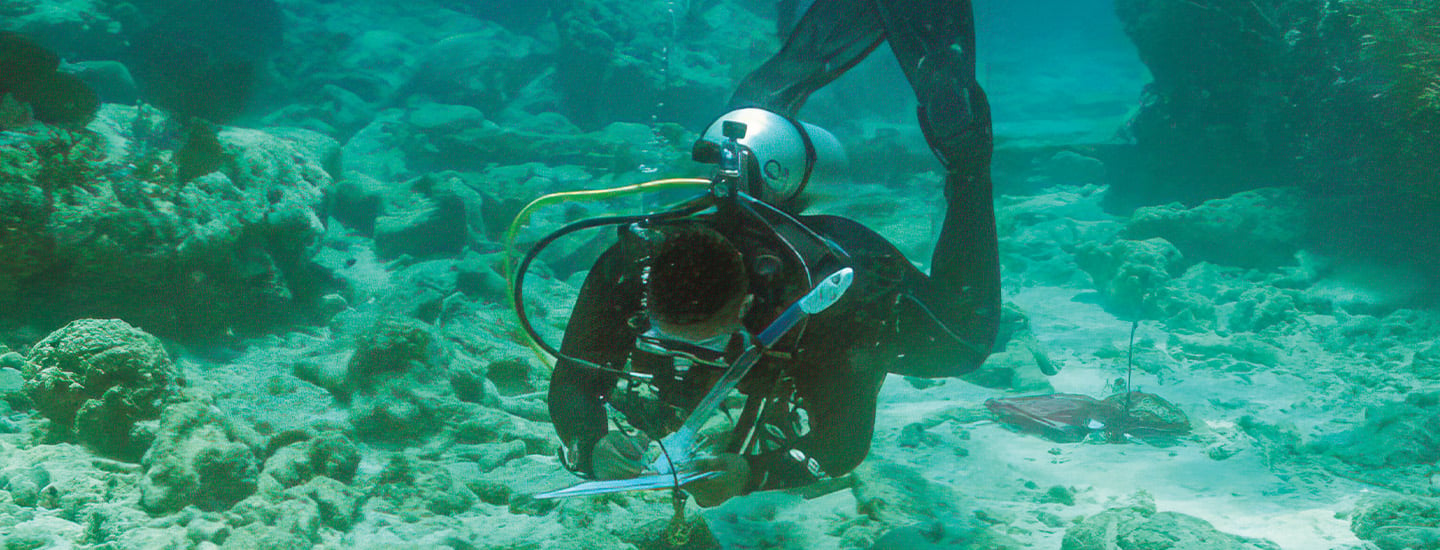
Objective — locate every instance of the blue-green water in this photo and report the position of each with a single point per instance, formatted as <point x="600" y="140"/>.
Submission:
<point x="258" y="299"/>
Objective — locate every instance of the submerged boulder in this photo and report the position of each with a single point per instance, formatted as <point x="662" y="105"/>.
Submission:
<point x="200" y="458"/>
<point x="102" y="223"/>
<point x="398" y="383"/>
<point x="1140" y="526"/>
<point x="97" y="379"/>
<point x="1271" y="223"/>
<point x="411" y="488"/>
<point x="1395" y="435"/>
<point x="328" y="454"/>
<point x="1399" y="522"/>
<point x="1141" y="279"/>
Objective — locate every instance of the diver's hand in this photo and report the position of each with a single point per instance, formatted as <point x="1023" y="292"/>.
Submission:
<point x="734" y="476"/>
<point x="619" y="456"/>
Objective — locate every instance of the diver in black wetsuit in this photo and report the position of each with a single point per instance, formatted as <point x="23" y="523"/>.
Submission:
<point x="660" y="314"/>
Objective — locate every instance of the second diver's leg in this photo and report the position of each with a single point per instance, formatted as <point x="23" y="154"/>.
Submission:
<point x="934" y="40"/>
<point x="831" y="37"/>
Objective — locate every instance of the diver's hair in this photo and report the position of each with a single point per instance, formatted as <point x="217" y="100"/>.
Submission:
<point x="693" y="273"/>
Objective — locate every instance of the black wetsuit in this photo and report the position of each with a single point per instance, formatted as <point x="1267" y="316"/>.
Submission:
<point x="810" y="408"/>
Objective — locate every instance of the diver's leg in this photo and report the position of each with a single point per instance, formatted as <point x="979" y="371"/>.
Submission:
<point x="831" y="37"/>
<point x="934" y="40"/>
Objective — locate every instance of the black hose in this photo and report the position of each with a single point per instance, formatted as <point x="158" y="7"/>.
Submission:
<point x="517" y="294"/>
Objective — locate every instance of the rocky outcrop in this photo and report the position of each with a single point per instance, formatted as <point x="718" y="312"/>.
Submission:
<point x="1336" y="98"/>
<point x="102" y="223"/>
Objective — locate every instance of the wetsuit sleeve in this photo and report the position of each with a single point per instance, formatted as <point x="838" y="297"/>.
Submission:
<point x="598" y="332"/>
<point x="840" y="403"/>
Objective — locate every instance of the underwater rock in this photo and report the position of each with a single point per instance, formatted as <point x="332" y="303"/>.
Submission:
<point x="24" y="484"/>
<point x="86" y="29"/>
<point x="1038" y="233"/>
<point x="339" y="504"/>
<point x="200" y="458"/>
<point x="1211" y="122"/>
<point x="201" y="152"/>
<point x="411" y="488"/>
<point x="939" y="535"/>
<point x="111" y="80"/>
<point x="1140" y="527"/>
<point x="373" y="65"/>
<point x="1138" y="280"/>
<point x="1069" y="167"/>
<point x="1215" y="119"/>
<point x="1399" y="523"/>
<point x="480" y="69"/>
<point x="1373" y="289"/>
<point x="1130" y="273"/>
<point x="392" y="347"/>
<point x="1425" y="364"/>
<point x="29" y="72"/>
<point x="202" y="60"/>
<point x="1270" y="221"/>
<point x="97" y="379"/>
<point x="899" y="495"/>
<point x="618" y="45"/>
<point x="96" y="494"/>
<point x="523" y="478"/>
<point x="42" y="532"/>
<point x="1266" y="308"/>
<point x="933" y="515"/>
<point x="274" y="520"/>
<point x="69" y="484"/>
<point x="420" y="290"/>
<point x="435" y="226"/>
<point x="285" y="513"/>
<point x="1398" y="434"/>
<point x="329" y="454"/>
<point x="1243" y="347"/>
<point x="547" y="138"/>
<point x="103" y="226"/>
<point x="377" y="150"/>
<point x="355" y="201"/>
<point x="441" y="117"/>
<point x="399" y="384"/>
<point x="502" y="431"/>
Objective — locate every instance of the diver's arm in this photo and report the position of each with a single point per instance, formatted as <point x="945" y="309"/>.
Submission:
<point x="597" y="332"/>
<point x="841" y="407"/>
<point x="831" y="37"/>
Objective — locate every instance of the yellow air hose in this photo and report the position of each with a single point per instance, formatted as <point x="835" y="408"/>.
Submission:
<point x="589" y="195"/>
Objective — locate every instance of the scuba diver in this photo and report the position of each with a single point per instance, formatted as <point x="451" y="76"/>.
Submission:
<point x="688" y="297"/>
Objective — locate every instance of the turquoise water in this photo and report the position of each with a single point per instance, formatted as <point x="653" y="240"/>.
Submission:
<point x="258" y="298"/>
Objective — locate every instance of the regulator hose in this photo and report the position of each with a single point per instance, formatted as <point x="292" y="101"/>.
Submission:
<point x="517" y="277"/>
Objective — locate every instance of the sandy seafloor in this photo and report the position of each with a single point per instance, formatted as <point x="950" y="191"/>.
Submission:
<point x="969" y="463"/>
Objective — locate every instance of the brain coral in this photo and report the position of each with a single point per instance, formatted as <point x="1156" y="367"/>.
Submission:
<point x="96" y="378"/>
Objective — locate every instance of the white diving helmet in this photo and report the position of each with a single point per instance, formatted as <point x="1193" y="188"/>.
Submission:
<point x="789" y="154"/>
